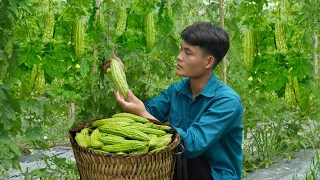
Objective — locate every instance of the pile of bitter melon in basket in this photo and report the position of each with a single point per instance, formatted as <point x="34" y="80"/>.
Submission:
<point x="124" y="133"/>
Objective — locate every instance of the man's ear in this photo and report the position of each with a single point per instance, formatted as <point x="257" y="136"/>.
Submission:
<point x="210" y="62"/>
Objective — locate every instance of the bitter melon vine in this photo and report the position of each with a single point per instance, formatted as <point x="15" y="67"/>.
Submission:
<point x="78" y="38"/>
<point x="122" y="21"/>
<point x="48" y="28"/>
<point x="249" y="49"/>
<point x="280" y="37"/>
<point x="150" y="30"/>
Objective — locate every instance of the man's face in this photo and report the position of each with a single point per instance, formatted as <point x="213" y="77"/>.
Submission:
<point x="192" y="62"/>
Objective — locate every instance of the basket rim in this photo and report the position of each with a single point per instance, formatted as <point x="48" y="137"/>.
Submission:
<point x="174" y="143"/>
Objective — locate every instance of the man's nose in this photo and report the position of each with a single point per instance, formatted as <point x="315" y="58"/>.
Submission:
<point x="179" y="57"/>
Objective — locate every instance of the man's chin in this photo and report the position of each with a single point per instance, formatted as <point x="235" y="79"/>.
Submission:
<point x="179" y="74"/>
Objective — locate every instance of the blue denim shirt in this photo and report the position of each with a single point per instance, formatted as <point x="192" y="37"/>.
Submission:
<point x="211" y="124"/>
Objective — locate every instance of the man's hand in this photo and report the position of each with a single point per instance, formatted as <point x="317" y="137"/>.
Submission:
<point x="133" y="105"/>
<point x="106" y="63"/>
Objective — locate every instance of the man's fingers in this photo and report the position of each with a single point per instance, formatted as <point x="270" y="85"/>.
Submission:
<point x="117" y="95"/>
<point x="118" y="59"/>
<point x="107" y="61"/>
<point x="120" y="99"/>
<point x="114" y="56"/>
<point x="131" y="96"/>
<point x="107" y="65"/>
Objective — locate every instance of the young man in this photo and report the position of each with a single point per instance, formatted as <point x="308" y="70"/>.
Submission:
<point x="206" y="113"/>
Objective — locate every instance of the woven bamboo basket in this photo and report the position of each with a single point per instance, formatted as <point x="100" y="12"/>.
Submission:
<point x="157" y="165"/>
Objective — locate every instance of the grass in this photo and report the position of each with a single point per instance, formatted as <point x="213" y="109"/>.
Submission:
<point x="313" y="172"/>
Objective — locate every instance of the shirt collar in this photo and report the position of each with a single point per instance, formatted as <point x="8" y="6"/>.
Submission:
<point x="207" y="91"/>
<point x="184" y="87"/>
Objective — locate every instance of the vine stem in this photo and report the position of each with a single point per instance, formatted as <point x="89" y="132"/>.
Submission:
<point x="224" y="60"/>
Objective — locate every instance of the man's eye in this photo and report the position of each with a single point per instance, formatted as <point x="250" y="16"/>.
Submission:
<point x="188" y="53"/>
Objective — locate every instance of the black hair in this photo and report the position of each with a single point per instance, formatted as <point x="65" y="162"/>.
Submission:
<point x="211" y="39"/>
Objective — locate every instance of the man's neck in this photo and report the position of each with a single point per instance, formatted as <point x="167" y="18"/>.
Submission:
<point x="197" y="84"/>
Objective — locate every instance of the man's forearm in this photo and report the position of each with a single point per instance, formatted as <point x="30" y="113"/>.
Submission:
<point x="147" y="115"/>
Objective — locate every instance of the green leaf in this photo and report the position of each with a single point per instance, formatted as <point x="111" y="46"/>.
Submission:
<point x="166" y="24"/>
<point x="30" y="55"/>
<point x="14" y="7"/>
<point x="3" y="95"/>
<point x="7" y="117"/>
<point x="9" y="154"/>
<point x="34" y="134"/>
<point x="84" y="68"/>
<point x="29" y="9"/>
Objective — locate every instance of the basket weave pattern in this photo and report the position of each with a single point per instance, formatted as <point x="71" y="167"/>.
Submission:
<point x="157" y="165"/>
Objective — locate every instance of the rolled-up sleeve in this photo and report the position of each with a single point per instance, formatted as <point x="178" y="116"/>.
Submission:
<point x="220" y="117"/>
<point x="159" y="106"/>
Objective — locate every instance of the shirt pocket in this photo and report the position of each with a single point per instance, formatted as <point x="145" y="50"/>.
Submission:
<point x="174" y="118"/>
